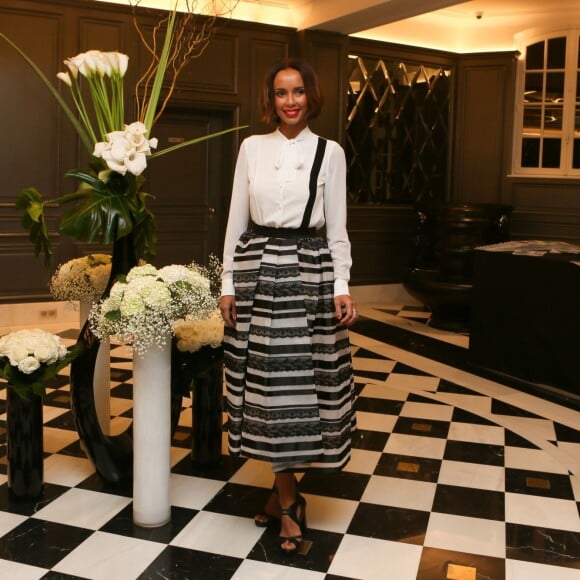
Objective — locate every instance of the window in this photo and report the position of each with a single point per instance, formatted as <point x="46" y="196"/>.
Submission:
<point x="547" y="135"/>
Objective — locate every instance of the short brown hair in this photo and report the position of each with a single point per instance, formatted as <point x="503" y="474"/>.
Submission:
<point x="311" y="87"/>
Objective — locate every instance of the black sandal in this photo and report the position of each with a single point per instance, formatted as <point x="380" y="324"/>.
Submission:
<point x="299" y="520"/>
<point x="264" y="519"/>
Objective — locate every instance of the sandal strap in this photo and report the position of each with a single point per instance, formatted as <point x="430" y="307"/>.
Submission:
<point x="292" y="510"/>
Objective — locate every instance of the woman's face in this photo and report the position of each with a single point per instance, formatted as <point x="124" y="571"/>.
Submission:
<point x="290" y="102"/>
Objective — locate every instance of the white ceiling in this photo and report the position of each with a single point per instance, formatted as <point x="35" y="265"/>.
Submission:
<point x="440" y="24"/>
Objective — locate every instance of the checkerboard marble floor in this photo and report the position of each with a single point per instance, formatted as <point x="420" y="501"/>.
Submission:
<point x="454" y="476"/>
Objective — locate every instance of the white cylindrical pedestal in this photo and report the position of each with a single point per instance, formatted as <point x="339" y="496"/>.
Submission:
<point x="152" y="436"/>
<point x="102" y="376"/>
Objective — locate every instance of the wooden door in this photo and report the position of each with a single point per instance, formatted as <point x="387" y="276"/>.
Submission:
<point x="190" y="186"/>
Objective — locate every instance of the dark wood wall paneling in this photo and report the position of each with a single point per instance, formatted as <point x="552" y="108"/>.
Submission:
<point x="191" y="187"/>
<point x="221" y="89"/>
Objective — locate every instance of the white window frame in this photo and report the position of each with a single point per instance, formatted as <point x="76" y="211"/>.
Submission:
<point x="568" y="132"/>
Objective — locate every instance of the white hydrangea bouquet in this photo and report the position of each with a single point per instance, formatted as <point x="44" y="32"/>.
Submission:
<point x="82" y="278"/>
<point x="143" y="307"/>
<point x="192" y="334"/>
<point x="30" y="358"/>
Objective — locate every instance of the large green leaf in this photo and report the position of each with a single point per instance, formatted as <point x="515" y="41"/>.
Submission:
<point x="34" y="222"/>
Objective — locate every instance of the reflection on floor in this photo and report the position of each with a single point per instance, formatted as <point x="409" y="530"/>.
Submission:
<point x="453" y="476"/>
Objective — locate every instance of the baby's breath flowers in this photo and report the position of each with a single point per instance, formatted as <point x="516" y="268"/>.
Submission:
<point x="29" y="358"/>
<point x="143" y="308"/>
<point x="81" y="278"/>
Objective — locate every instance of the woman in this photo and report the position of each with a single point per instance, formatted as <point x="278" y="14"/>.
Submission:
<point x="285" y="299"/>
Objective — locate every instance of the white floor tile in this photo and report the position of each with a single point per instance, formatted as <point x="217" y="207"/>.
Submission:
<point x="254" y="570"/>
<point x="413" y="383"/>
<point x="427" y="411"/>
<point x="416" y="446"/>
<point x="83" y="508"/>
<point x="66" y="469"/>
<point x="545" y="512"/>
<point x="49" y="413"/>
<point x="534" y="459"/>
<point x="373" y="364"/>
<point x="254" y="472"/>
<point x="519" y="570"/>
<point x="575" y="481"/>
<point x="384" y="391"/>
<point x="192" y="492"/>
<point x="472" y="475"/>
<point x="488" y="434"/>
<point x="16" y="571"/>
<point x="372" y="559"/>
<point x="8" y="522"/>
<point x="329" y="514"/>
<point x="118" y="406"/>
<point x="119" y="425"/>
<point x="417" y="495"/>
<point x="56" y="439"/>
<point x="105" y="556"/>
<point x="363" y="461"/>
<point x="463" y="534"/>
<point x="375" y="421"/>
<point x="478" y="404"/>
<point x="530" y="429"/>
<point x="177" y="454"/>
<point x="219" y="534"/>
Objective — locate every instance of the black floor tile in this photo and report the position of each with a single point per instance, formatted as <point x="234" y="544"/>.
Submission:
<point x="369" y="440"/>
<point x="389" y="523"/>
<point x="40" y="543"/>
<point x="474" y="452"/>
<point x="123" y="525"/>
<point x="180" y="563"/>
<point x="435" y="564"/>
<point x="408" y="467"/>
<point x="421" y="427"/>
<point x="474" y="503"/>
<point x="531" y="482"/>
<point x="543" y="545"/>
<point x="343" y="485"/>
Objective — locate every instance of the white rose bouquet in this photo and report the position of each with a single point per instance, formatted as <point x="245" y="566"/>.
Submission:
<point x="143" y="308"/>
<point x="192" y="335"/>
<point x="82" y="278"/>
<point x="29" y="358"/>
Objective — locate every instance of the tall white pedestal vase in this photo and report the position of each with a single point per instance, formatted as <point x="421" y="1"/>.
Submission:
<point x="102" y="375"/>
<point x="152" y="435"/>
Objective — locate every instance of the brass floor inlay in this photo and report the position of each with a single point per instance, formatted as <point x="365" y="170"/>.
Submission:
<point x="538" y="482"/>
<point x="408" y="467"/>
<point x="304" y="548"/>
<point x="425" y="427"/>
<point x="458" y="572"/>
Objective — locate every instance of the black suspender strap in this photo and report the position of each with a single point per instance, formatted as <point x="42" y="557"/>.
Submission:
<point x="313" y="181"/>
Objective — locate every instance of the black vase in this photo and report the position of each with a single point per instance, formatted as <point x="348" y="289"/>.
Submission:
<point x="112" y="456"/>
<point x="207" y="408"/>
<point x="24" y="442"/>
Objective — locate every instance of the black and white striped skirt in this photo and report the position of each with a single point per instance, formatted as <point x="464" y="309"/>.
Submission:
<point x="288" y="364"/>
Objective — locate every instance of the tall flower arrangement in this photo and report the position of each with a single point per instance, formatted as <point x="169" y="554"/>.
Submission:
<point x="83" y="278"/>
<point x="110" y="203"/>
<point x="143" y="308"/>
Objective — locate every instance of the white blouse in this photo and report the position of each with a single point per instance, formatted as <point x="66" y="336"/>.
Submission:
<point x="271" y="188"/>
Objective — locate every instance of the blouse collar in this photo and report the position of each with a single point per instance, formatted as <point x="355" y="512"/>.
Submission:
<point x="295" y="144"/>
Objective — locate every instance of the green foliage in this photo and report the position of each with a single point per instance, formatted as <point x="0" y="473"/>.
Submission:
<point x="30" y="201"/>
